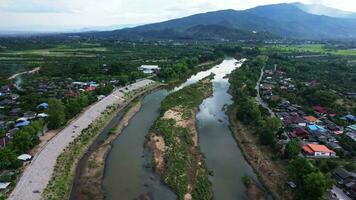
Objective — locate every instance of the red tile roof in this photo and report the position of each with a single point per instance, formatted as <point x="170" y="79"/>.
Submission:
<point x="320" y="109"/>
<point x="311" y="118"/>
<point x="312" y="148"/>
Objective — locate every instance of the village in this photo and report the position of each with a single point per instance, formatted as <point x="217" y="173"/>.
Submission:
<point x="318" y="136"/>
<point x="20" y="114"/>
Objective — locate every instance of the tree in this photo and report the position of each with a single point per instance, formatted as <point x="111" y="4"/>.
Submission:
<point x="56" y="112"/>
<point x="248" y="110"/>
<point x="8" y="159"/>
<point x="270" y="127"/>
<point x="315" y="185"/>
<point x="298" y="168"/>
<point x="292" y="148"/>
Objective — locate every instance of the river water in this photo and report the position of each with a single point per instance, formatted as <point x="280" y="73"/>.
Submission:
<point x="128" y="174"/>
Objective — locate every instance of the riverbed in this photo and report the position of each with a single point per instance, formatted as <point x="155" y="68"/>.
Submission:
<point x="128" y="173"/>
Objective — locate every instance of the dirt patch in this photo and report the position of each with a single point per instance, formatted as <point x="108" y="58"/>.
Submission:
<point x="273" y="174"/>
<point x="158" y="148"/>
<point x="254" y="192"/>
<point x="177" y="115"/>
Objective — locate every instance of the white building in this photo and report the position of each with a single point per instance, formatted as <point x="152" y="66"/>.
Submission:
<point x="149" y="69"/>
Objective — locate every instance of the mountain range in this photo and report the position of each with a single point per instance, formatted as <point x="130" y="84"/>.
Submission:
<point x="293" y="21"/>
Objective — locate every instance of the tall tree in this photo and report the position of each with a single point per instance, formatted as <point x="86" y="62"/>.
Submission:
<point x="56" y="112"/>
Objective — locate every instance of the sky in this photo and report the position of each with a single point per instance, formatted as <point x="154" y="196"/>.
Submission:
<point x="76" y="14"/>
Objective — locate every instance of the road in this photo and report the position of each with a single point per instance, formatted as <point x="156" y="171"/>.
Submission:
<point x="258" y="97"/>
<point x="38" y="173"/>
<point x="27" y="72"/>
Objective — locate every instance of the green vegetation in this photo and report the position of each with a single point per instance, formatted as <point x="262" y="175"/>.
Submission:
<point x="311" y="183"/>
<point x="56" y="111"/>
<point x="183" y="162"/>
<point x="23" y="141"/>
<point x="292" y="148"/>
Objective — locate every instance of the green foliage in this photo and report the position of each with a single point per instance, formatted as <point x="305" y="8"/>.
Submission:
<point x="187" y="98"/>
<point x="8" y="159"/>
<point x="202" y="189"/>
<point x="247" y="180"/>
<point x="314" y="186"/>
<point x="77" y="104"/>
<point x="311" y="183"/>
<point x="268" y="130"/>
<point x="56" y="112"/>
<point x="23" y="141"/>
<point x="292" y="148"/>
<point x="248" y="111"/>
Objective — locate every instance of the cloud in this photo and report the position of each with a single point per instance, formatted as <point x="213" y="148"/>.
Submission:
<point x="33" y="6"/>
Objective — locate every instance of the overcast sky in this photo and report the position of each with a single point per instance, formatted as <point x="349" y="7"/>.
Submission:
<point x="22" y="14"/>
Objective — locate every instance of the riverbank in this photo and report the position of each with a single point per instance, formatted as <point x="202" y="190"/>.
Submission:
<point x="173" y="141"/>
<point x="272" y="173"/>
<point x="60" y="185"/>
<point x="92" y="172"/>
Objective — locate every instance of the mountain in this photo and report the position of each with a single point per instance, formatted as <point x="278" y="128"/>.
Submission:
<point x="319" y="9"/>
<point x="281" y="20"/>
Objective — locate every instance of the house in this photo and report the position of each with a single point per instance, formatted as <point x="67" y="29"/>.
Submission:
<point x="316" y="129"/>
<point x="311" y="119"/>
<point x="90" y="88"/>
<point x="43" y="106"/>
<point x="5" y="102"/>
<point x="342" y="176"/>
<point x="149" y="69"/>
<point x="4" y="185"/>
<point x="42" y="115"/>
<point x="318" y="150"/>
<point x="349" y="117"/>
<point x="11" y="133"/>
<point x="320" y="109"/>
<point x="300" y="132"/>
<point x="351" y="135"/>
<point x="30" y="115"/>
<point x="15" y="112"/>
<point x="352" y="128"/>
<point x="24" y="157"/>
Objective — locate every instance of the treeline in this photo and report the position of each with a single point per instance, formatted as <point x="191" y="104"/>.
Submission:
<point x="243" y="89"/>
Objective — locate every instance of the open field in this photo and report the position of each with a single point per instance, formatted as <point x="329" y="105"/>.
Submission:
<point x="309" y="48"/>
<point x="58" y="52"/>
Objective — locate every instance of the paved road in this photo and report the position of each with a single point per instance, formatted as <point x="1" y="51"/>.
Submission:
<point x="38" y="173"/>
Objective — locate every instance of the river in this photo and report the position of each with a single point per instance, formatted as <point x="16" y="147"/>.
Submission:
<point x="128" y="174"/>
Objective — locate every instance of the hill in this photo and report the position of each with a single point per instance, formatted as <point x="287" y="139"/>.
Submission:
<point x="262" y="22"/>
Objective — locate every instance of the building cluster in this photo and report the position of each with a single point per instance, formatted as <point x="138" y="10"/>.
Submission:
<point x="14" y="116"/>
<point x="318" y="135"/>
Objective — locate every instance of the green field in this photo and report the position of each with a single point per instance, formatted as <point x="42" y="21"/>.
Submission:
<point x="59" y="51"/>
<point x="309" y="48"/>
